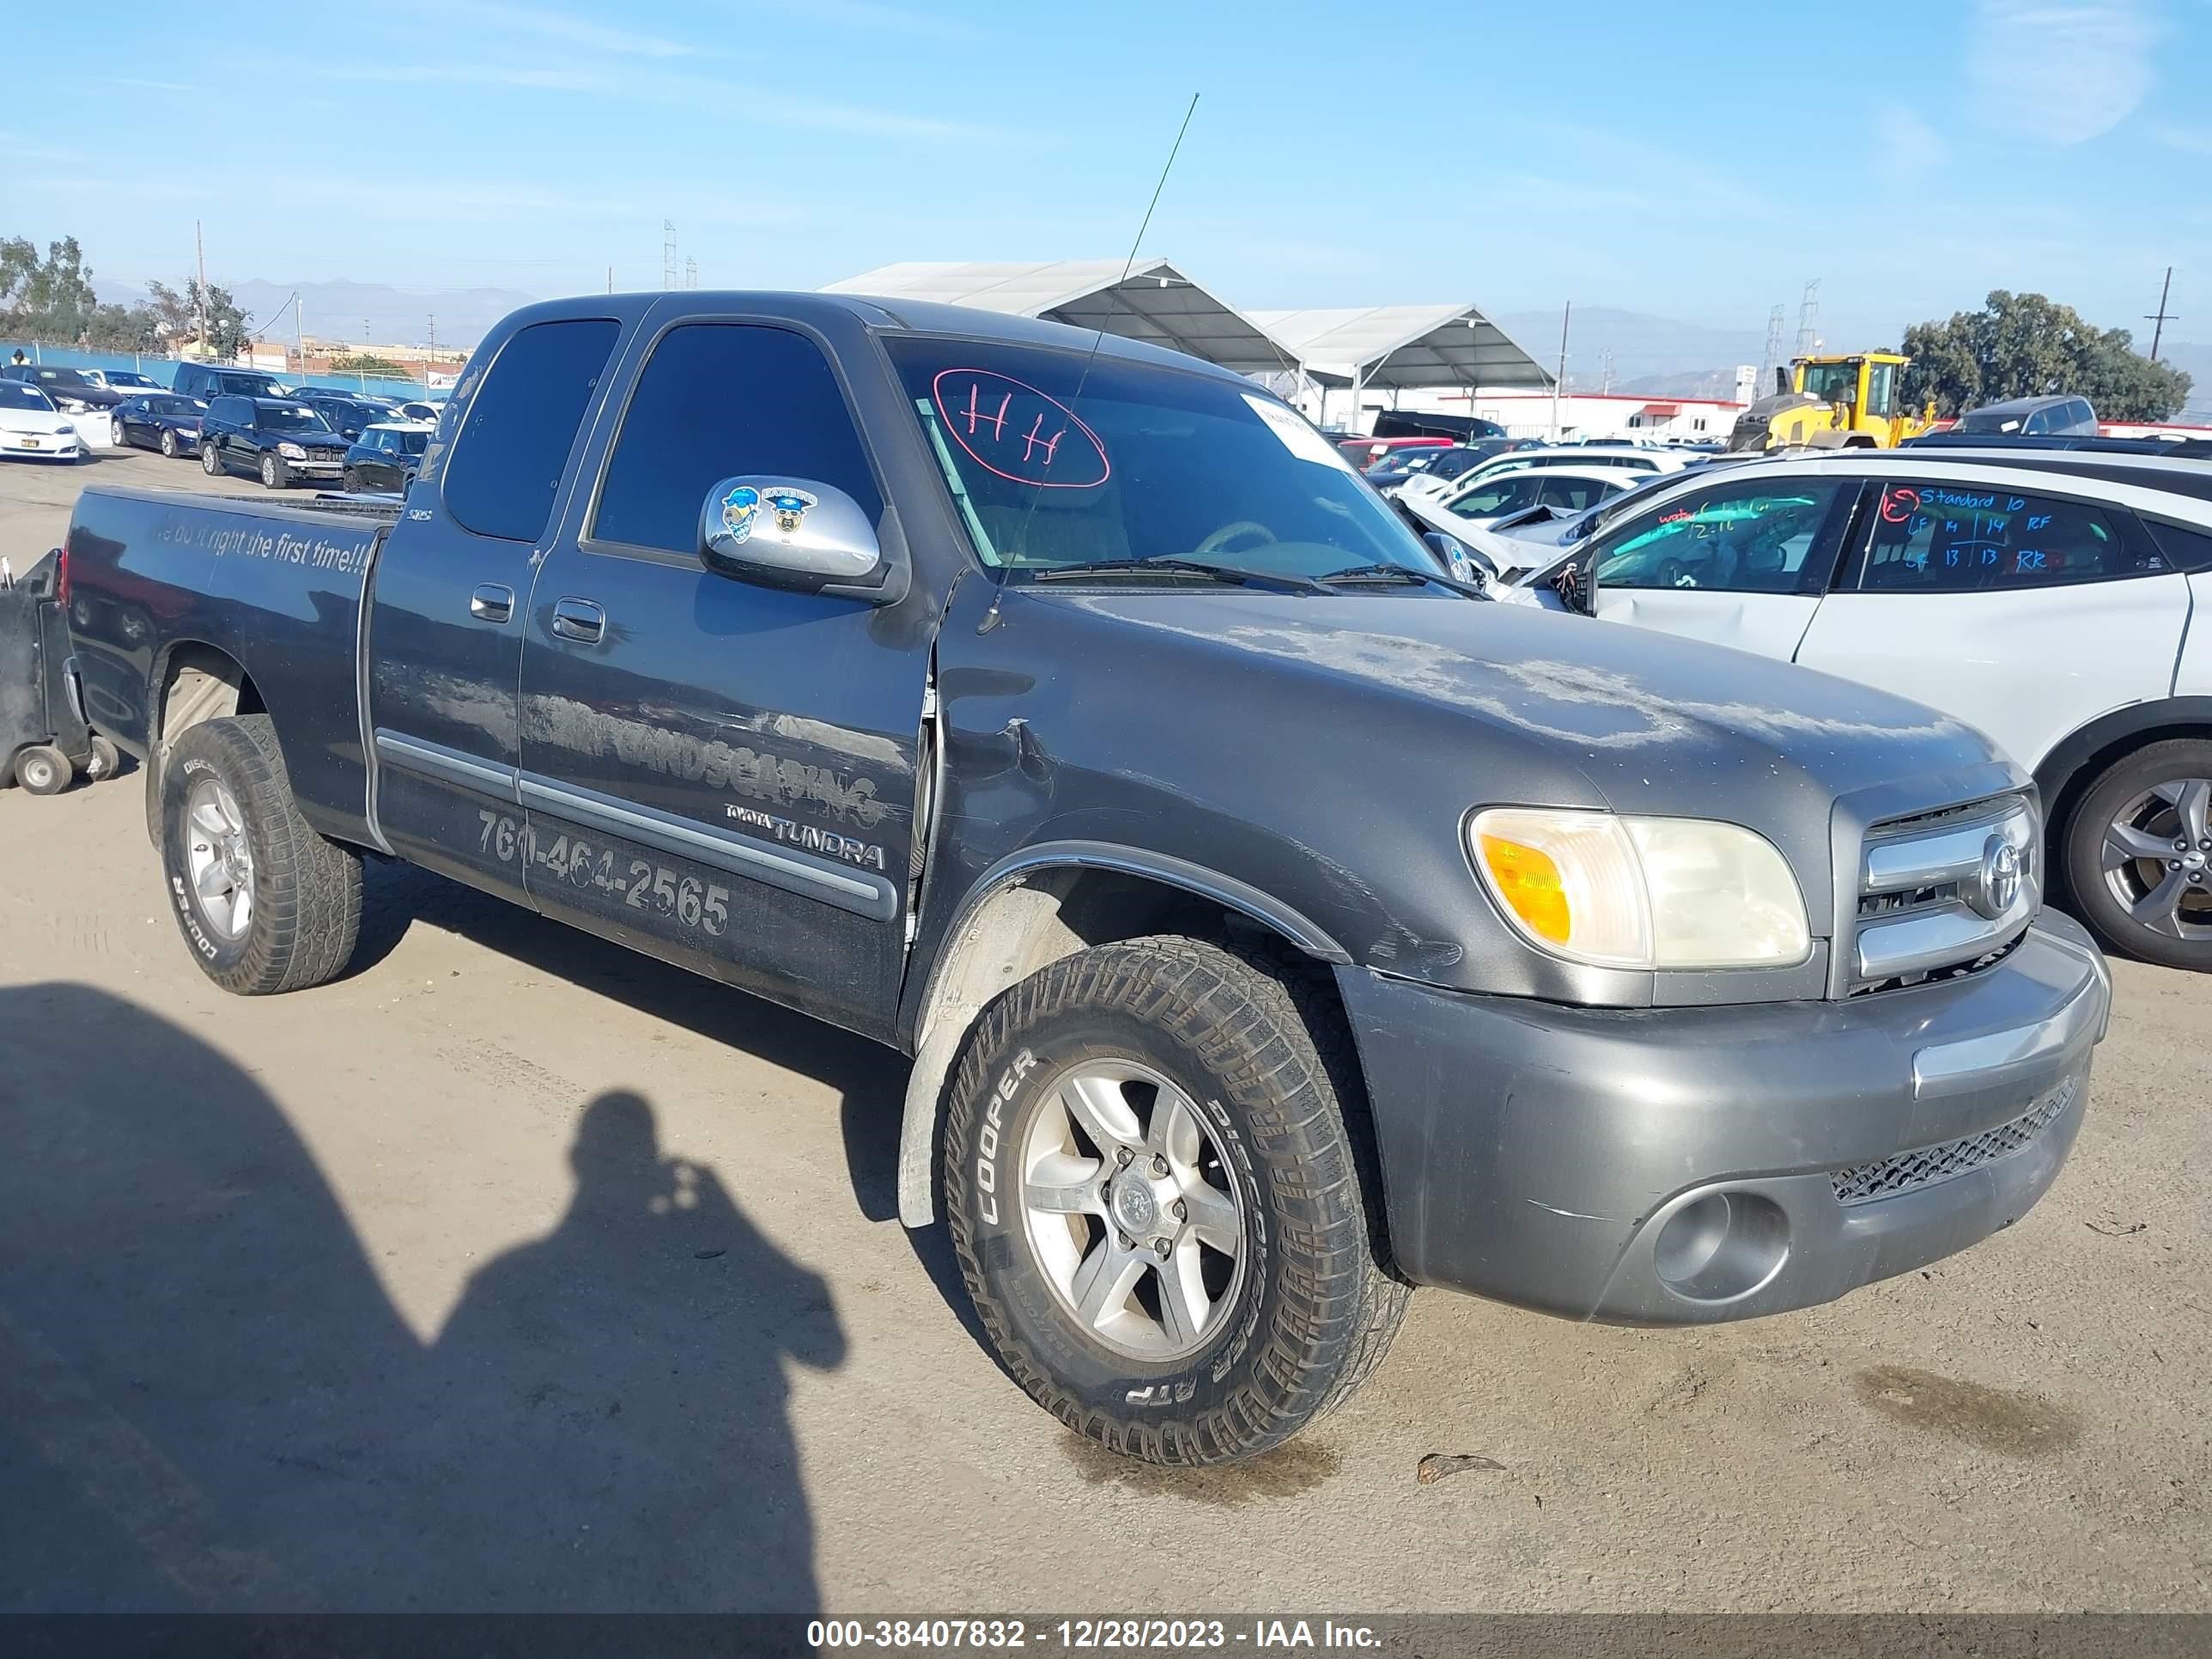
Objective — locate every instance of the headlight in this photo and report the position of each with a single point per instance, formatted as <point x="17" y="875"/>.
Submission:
<point x="1638" y="892"/>
<point x="71" y="406"/>
<point x="292" y="452"/>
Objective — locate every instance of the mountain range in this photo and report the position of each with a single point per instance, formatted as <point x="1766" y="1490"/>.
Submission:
<point x="354" y="311"/>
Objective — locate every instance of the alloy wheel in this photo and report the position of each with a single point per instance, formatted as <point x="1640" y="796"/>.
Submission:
<point x="219" y="859"/>
<point x="2157" y="858"/>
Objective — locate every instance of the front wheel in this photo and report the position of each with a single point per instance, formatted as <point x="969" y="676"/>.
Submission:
<point x="2139" y="855"/>
<point x="351" y="483"/>
<point x="43" y="769"/>
<point x="274" y="473"/>
<point x="265" y="903"/>
<point x="1155" y="1195"/>
<point x="118" y="436"/>
<point x="211" y="460"/>
<point x="169" y="444"/>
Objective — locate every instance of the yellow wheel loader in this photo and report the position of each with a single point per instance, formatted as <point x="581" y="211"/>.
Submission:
<point x="1831" y="402"/>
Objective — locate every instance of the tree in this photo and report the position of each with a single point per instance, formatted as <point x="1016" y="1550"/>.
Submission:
<point x="366" y="362"/>
<point x="50" y="300"/>
<point x="2024" y="345"/>
<point x="177" y="311"/>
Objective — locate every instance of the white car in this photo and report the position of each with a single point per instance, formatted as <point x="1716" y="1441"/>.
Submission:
<point x="1564" y="490"/>
<point x="2046" y="597"/>
<point x="32" y="429"/>
<point x="1630" y="458"/>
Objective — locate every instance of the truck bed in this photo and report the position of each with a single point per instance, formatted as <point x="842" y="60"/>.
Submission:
<point x="159" y="577"/>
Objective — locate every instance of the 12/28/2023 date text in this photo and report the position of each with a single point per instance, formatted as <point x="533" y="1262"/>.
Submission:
<point x="639" y="885"/>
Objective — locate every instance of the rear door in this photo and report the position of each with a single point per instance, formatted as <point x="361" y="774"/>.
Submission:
<point x="2025" y="613"/>
<point x="719" y="772"/>
<point x="445" y="645"/>
<point x="1738" y="561"/>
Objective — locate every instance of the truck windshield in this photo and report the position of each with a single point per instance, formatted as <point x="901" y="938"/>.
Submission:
<point x="1144" y="463"/>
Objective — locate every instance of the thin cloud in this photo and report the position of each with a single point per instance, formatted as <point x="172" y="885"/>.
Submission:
<point x="2189" y="141"/>
<point x="530" y="23"/>
<point x="2061" y="74"/>
<point x="471" y="74"/>
<point x="1909" y="149"/>
<point x="874" y="14"/>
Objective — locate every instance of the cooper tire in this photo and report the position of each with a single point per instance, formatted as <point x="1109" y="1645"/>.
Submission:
<point x="1306" y="1312"/>
<point x="302" y="893"/>
<point x="2142" y="804"/>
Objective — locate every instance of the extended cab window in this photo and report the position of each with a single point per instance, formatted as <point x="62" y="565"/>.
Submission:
<point x="515" y="438"/>
<point x="716" y="401"/>
<point x="1741" y="537"/>
<point x="1945" y="538"/>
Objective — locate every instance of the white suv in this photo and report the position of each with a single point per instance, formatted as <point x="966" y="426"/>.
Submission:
<point x="2047" y="597"/>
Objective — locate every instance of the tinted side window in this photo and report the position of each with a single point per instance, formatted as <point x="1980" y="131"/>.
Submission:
<point x="1742" y="537"/>
<point x="515" y="439"/>
<point x="716" y="400"/>
<point x="1936" y="538"/>
<point x="1571" y="495"/>
<point x="2186" y="550"/>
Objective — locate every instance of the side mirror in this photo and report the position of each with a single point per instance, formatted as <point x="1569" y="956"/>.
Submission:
<point x="1465" y="563"/>
<point x="798" y="533"/>
<point x="1575" y="583"/>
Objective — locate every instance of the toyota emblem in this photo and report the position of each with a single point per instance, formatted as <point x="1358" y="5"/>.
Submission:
<point x="2000" y="882"/>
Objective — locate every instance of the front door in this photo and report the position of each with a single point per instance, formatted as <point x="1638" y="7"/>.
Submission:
<point x="448" y="597"/>
<point x="2026" y="614"/>
<point x="1740" y="562"/>
<point x="720" y="772"/>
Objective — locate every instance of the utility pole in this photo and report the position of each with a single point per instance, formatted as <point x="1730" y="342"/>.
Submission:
<point x="2162" y="317"/>
<point x="1565" y="317"/>
<point x="429" y="350"/>
<point x="199" y="253"/>
<point x="364" y="356"/>
<point x="300" y="332"/>
<point x="1604" y="373"/>
<point x="611" y="279"/>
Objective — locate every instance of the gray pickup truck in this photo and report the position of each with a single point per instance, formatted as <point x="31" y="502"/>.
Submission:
<point x="1275" y="924"/>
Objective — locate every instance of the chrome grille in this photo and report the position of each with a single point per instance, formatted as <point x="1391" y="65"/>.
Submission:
<point x="1909" y="1171"/>
<point x="1931" y="903"/>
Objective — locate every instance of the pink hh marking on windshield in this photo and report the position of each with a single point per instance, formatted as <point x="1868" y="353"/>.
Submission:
<point x="982" y="409"/>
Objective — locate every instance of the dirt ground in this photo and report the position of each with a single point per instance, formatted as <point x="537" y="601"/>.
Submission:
<point x="516" y="1271"/>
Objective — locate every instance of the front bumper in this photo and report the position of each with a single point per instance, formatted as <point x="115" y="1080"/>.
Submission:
<point x="1687" y="1165"/>
<point x="41" y="445"/>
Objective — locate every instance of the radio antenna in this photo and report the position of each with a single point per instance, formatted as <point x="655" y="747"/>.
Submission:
<point x="1098" y="338"/>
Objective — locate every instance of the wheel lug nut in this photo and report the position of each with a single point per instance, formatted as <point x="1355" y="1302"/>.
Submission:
<point x="1122" y="1154"/>
<point x="2173" y="864"/>
<point x="1162" y="1247"/>
<point x="1179" y="1210"/>
<point x="1159" y="1165"/>
<point x="1125" y="1241"/>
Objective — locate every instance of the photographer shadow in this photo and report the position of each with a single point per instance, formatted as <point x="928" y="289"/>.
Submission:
<point x="207" y="1400"/>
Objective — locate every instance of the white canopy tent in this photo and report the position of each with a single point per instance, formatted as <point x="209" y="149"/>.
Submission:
<point x="1402" y="347"/>
<point x="1153" y="301"/>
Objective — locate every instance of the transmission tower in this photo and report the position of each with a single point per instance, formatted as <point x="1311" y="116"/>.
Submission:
<point x="690" y="273"/>
<point x="1808" y="317"/>
<point x="1775" y="322"/>
<point x="668" y="253"/>
<point x="1605" y="371"/>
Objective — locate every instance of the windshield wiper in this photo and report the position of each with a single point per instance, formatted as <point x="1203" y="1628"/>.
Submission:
<point x="1401" y="573"/>
<point x="1238" y="575"/>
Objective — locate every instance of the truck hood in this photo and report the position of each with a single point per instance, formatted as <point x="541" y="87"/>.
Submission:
<point x="1644" y="721"/>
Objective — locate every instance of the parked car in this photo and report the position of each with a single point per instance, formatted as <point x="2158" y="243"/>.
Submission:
<point x="128" y="381"/>
<point x="1561" y="489"/>
<point x="1365" y="451"/>
<point x="32" y="429"/>
<point x="2056" y="617"/>
<point x="348" y="413"/>
<point x="72" y="392"/>
<point x="419" y="410"/>
<point x="2028" y="417"/>
<point x="386" y="457"/>
<point x="1565" y="989"/>
<point x="159" y="420"/>
<point x="207" y="382"/>
<point x="1628" y="458"/>
<point x="273" y="439"/>
<point x="1434" y="468"/>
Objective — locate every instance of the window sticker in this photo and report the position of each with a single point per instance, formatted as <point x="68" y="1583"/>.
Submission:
<point x="1300" y="439"/>
<point x="1017" y="432"/>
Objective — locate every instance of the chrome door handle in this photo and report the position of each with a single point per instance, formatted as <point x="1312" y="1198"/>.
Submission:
<point x="579" y="619"/>
<point x="491" y="602"/>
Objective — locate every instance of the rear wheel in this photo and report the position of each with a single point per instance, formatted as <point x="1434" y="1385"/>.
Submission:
<point x="2139" y="855"/>
<point x="275" y="475"/>
<point x="43" y="770"/>
<point x="1155" y="1198"/>
<point x="265" y="903"/>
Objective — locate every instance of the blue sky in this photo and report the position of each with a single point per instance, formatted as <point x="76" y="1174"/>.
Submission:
<point x="1695" y="161"/>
